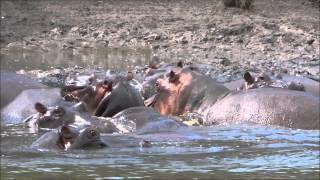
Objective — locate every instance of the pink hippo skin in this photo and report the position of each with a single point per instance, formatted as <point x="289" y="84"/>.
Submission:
<point x="184" y="90"/>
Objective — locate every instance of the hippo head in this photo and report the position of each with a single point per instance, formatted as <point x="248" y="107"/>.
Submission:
<point x="70" y="138"/>
<point x="105" y="98"/>
<point x="265" y="80"/>
<point x="173" y="92"/>
<point x="90" y="95"/>
<point x="154" y="72"/>
<point x="49" y="117"/>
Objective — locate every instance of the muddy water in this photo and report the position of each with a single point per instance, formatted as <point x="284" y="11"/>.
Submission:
<point x="233" y="152"/>
<point x="57" y="55"/>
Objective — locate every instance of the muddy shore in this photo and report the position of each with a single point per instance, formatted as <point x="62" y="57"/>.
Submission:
<point x="280" y="35"/>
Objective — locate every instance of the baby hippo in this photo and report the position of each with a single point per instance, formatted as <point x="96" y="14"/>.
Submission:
<point x="67" y="138"/>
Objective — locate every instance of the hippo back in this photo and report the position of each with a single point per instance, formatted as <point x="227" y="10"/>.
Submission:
<point x="267" y="106"/>
<point x="13" y="84"/>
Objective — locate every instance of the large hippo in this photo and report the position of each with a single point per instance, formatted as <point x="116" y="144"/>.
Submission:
<point x="105" y="98"/>
<point x="13" y="84"/>
<point x="184" y="90"/>
<point x="18" y="95"/>
<point x="68" y="138"/>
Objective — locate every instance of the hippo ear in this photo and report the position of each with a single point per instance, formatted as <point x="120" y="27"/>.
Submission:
<point x="172" y="76"/>
<point x="248" y="78"/>
<point x="180" y="64"/>
<point x="129" y="76"/>
<point x="42" y="109"/>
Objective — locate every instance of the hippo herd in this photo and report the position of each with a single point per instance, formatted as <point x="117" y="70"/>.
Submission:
<point x="74" y="115"/>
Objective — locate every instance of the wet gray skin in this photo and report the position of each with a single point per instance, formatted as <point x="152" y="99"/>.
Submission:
<point x="13" y="84"/>
<point x="50" y="117"/>
<point x="23" y="105"/>
<point x="108" y="96"/>
<point x="186" y="91"/>
<point x="267" y="106"/>
<point x="122" y="96"/>
<point x="67" y="138"/>
<point x="144" y="120"/>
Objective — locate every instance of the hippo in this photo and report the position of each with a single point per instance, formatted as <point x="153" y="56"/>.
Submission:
<point x="23" y="105"/>
<point x="187" y="91"/>
<point x="13" y="84"/>
<point x="69" y="138"/>
<point x="281" y="81"/>
<point x="75" y="115"/>
<point x="135" y="119"/>
<point x="142" y="120"/>
<point x="105" y="98"/>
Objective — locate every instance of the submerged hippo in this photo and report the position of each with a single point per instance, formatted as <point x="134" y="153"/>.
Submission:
<point x="184" y="90"/>
<point x="105" y="98"/>
<point x="51" y="117"/>
<point x="68" y="138"/>
<point x="280" y="81"/>
<point x="144" y="120"/>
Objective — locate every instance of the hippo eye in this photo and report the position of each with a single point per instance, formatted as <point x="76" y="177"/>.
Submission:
<point x="261" y="78"/>
<point x="157" y="84"/>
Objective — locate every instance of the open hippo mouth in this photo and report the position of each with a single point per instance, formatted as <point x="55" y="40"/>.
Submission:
<point x="91" y="95"/>
<point x="87" y="138"/>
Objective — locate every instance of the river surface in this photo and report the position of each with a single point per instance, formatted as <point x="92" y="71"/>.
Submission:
<point x="244" y="151"/>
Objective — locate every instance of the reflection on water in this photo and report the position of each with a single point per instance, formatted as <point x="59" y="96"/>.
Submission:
<point x="241" y="151"/>
<point x="53" y="55"/>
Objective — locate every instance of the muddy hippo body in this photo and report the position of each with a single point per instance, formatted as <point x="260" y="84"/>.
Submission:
<point x="13" y="84"/>
<point x="266" y="106"/>
<point x="188" y="91"/>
